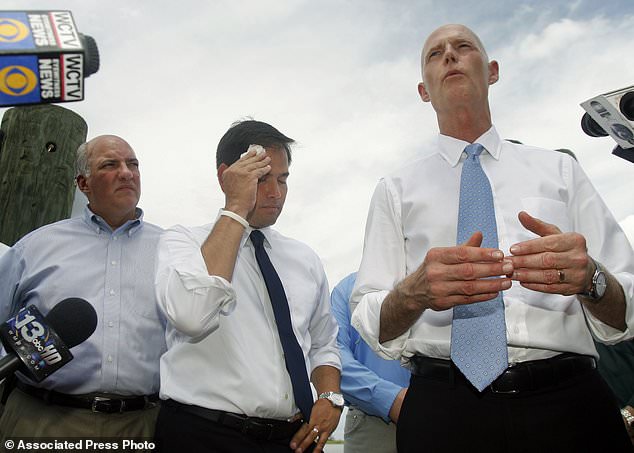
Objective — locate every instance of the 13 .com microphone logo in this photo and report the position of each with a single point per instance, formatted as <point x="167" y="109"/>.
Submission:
<point x="12" y="30"/>
<point x="17" y="80"/>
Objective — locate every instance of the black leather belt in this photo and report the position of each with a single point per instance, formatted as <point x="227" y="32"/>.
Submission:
<point x="521" y="377"/>
<point x="254" y="427"/>
<point x="94" y="403"/>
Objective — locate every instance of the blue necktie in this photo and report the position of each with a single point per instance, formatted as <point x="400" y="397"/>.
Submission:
<point x="293" y="355"/>
<point x="478" y="332"/>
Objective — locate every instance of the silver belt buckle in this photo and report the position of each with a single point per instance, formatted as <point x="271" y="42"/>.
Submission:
<point x="97" y="399"/>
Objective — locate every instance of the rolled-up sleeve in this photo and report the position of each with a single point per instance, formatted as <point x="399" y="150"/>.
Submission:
<point x="383" y="265"/>
<point x="190" y="298"/>
<point x="608" y="244"/>
<point x="323" y="330"/>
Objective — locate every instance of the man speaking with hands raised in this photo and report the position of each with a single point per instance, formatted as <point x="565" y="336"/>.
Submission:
<point x="500" y="347"/>
<point x="248" y="317"/>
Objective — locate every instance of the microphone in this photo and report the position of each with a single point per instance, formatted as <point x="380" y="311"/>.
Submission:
<point x="37" y="345"/>
<point x="43" y="58"/>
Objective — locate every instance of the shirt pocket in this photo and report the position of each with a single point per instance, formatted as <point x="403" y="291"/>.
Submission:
<point x="302" y="303"/>
<point x="548" y="210"/>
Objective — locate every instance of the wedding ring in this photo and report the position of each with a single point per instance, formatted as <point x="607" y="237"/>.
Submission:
<point x="562" y="276"/>
<point x="315" y="430"/>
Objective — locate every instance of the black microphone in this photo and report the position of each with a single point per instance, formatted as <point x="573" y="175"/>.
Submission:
<point x="37" y="345"/>
<point x="43" y="58"/>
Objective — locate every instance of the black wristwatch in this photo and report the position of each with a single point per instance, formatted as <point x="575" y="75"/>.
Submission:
<point x="599" y="283"/>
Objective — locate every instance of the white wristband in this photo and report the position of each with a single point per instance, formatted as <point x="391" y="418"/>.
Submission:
<point x="241" y="220"/>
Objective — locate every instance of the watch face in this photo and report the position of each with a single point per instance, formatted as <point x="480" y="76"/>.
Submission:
<point x="337" y="399"/>
<point x="601" y="284"/>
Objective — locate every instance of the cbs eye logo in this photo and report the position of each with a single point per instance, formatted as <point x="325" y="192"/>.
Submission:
<point x="12" y="30"/>
<point x="17" y="80"/>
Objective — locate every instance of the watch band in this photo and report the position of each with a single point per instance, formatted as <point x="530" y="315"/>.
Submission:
<point x="336" y="399"/>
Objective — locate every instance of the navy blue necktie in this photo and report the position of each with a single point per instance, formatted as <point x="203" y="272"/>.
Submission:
<point x="293" y="355"/>
<point x="478" y="331"/>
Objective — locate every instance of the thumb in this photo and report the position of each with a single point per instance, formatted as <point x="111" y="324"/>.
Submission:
<point x="475" y="240"/>
<point x="539" y="227"/>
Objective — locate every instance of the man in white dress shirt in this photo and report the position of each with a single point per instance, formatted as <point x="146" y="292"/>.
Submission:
<point x="564" y="267"/>
<point x="224" y="376"/>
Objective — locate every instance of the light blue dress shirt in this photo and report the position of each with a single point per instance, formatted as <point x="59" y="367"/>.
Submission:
<point x="114" y="271"/>
<point x="368" y="382"/>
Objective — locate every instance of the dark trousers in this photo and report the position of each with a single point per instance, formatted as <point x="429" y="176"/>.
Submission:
<point x="579" y="415"/>
<point x="179" y="431"/>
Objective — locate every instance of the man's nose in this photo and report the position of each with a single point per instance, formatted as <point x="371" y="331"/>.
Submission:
<point x="450" y="54"/>
<point x="125" y="172"/>
<point x="274" y="190"/>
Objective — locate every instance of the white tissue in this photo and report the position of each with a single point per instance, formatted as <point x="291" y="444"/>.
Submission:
<point x="259" y="149"/>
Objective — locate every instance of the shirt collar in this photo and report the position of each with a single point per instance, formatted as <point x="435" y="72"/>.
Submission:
<point x="98" y="224"/>
<point x="266" y="231"/>
<point x="451" y="148"/>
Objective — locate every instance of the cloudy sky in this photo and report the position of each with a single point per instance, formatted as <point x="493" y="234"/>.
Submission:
<point x="340" y="77"/>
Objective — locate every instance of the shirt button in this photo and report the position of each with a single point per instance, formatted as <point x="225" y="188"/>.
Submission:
<point x="109" y="358"/>
<point x="286" y="396"/>
<point x="114" y="263"/>
<point x="114" y="238"/>
<point x="110" y="324"/>
<point x="112" y="293"/>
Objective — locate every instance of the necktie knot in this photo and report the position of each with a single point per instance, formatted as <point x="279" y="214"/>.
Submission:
<point x="473" y="150"/>
<point x="257" y="238"/>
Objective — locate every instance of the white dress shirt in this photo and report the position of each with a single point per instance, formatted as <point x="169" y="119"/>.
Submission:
<point x="224" y="351"/>
<point x="416" y="209"/>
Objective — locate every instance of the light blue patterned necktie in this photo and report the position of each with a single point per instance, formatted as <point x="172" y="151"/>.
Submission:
<point x="478" y="332"/>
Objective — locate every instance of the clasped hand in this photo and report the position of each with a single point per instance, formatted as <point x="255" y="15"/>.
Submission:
<point x="555" y="263"/>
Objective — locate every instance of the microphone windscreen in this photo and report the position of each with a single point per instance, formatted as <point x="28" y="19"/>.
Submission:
<point x="73" y="319"/>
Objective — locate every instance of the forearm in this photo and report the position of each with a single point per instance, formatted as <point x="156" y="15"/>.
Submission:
<point x="220" y="249"/>
<point x="398" y="312"/>
<point x="326" y="378"/>
<point x="610" y="309"/>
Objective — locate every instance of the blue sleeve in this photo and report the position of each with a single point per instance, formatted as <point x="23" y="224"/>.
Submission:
<point x="10" y="272"/>
<point x="360" y="386"/>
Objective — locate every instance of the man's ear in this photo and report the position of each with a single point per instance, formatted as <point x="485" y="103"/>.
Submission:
<point x="494" y="72"/>
<point x="221" y="170"/>
<point x="422" y="92"/>
<point x="82" y="184"/>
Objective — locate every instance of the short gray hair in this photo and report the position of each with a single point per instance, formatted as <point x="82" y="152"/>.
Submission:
<point x="82" y="166"/>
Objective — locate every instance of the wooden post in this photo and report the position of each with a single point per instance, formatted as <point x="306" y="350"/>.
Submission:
<point x="37" y="167"/>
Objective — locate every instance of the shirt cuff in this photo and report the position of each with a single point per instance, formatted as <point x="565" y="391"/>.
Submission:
<point x="607" y="334"/>
<point x="367" y="320"/>
<point x="384" y="397"/>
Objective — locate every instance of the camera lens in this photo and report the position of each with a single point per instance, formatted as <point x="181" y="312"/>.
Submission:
<point x="626" y="104"/>
<point x="591" y="127"/>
